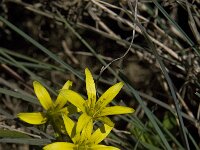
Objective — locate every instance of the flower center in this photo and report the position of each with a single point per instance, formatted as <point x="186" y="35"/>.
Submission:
<point x="91" y="111"/>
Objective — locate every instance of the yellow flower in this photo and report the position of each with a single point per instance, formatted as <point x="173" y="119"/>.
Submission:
<point x="86" y="140"/>
<point x="53" y="109"/>
<point x="96" y="109"/>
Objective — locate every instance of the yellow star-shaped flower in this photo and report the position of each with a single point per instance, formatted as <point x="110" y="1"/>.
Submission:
<point x="93" y="109"/>
<point x="52" y="109"/>
<point x="84" y="140"/>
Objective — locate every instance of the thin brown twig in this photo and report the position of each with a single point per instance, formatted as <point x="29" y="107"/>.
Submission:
<point x="127" y="51"/>
<point x="116" y="17"/>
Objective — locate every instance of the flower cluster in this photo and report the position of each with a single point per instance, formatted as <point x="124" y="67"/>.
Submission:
<point x="91" y="110"/>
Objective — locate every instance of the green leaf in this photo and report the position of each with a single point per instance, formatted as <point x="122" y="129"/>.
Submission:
<point x="169" y="121"/>
<point x="12" y="134"/>
<point x="19" y="95"/>
<point x="25" y="141"/>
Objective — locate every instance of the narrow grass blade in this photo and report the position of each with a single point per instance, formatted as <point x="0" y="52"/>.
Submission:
<point x="148" y="113"/>
<point x="20" y="96"/>
<point x="166" y="106"/>
<point x="8" y="116"/>
<point x="26" y="64"/>
<point x="26" y="58"/>
<point x="42" y="48"/>
<point x="25" y="141"/>
<point x="169" y="134"/>
<point x="32" y="75"/>
<point x="88" y="46"/>
<point x="170" y="84"/>
<point x="190" y="42"/>
<point x="197" y="146"/>
<point x="149" y="146"/>
<point x="39" y="132"/>
<point x="12" y="134"/>
<point x="171" y="87"/>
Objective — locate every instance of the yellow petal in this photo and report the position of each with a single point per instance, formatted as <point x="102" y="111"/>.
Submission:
<point x="90" y="87"/>
<point x="103" y="147"/>
<point x="64" y="110"/>
<point x="69" y="126"/>
<point x="108" y="96"/>
<point x="106" y="120"/>
<point x="116" y="110"/>
<point x="83" y="120"/>
<point x="42" y="95"/>
<point x="73" y="98"/>
<point x="60" y="146"/>
<point x="61" y="99"/>
<point x="33" y="118"/>
<point x="87" y="131"/>
<point x="67" y="85"/>
<point x="100" y="134"/>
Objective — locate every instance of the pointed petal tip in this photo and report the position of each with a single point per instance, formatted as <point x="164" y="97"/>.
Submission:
<point x="86" y="69"/>
<point x="36" y="83"/>
<point x="121" y="84"/>
<point x="90" y="88"/>
<point x="67" y="85"/>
